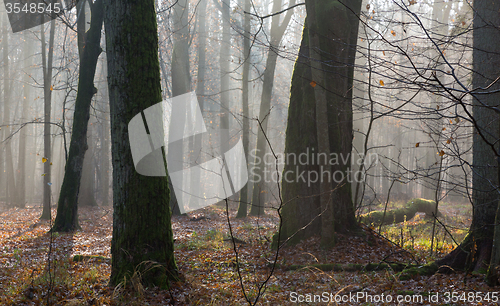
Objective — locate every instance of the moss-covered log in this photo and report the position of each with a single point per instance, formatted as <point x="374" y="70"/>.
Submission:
<point x="401" y="214"/>
<point x="78" y="258"/>
<point x="352" y="267"/>
<point x="425" y="270"/>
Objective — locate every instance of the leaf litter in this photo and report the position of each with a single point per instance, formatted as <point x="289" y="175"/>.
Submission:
<point x="206" y="260"/>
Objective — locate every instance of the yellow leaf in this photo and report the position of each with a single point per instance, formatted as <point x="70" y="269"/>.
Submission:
<point x="51" y="87"/>
<point x="393" y="33"/>
<point x="417" y="144"/>
<point x="444" y="128"/>
<point x="44" y="160"/>
<point x="51" y="164"/>
<point x="43" y="174"/>
<point x="448" y="141"/>
<point x="383" y="52"/>
<point x="441" y="153"/>
<point x="313" y="84"/>
<point x="382" y="83"/>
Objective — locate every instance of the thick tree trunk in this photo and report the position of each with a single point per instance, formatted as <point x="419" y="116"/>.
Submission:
<point x="337" y="32"/>
<point x="67" y="208"/>
<point x="142" y="230"/>
<point x="322" y="126"/>
<point x="475" y="251"/>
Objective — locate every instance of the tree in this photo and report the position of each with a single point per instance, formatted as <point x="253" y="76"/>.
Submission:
<point x="242" y="209"/>
<point x="277" y="31"/>
<point x="47" y="97"/>
<point x="475" y="250"/>
<point x="332" y="35"/>
<point x="7" y="88"/>
<point x="67" y="206"/>
<point x="142" y="230"/>
<point x="181" y="83"/>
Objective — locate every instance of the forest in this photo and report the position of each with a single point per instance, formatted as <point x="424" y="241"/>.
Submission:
<point x="249" y="152"/>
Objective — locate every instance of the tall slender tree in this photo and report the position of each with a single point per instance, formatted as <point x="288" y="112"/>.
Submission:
<point x="242" y="209"/>
<point x="277" y="32"/>
<point x="47" y="97"/>
<point x="67" y="207"/>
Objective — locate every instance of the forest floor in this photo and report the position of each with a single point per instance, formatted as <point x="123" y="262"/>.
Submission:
<point x="206" y="260"/>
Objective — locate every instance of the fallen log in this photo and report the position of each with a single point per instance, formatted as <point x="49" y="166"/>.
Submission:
<point x="399" y="215"/>
<point x="350" y="267"/>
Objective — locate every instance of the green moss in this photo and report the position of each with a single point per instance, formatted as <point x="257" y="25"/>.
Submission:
<point x="428" y="269"/>
<point x="401" y="214"/>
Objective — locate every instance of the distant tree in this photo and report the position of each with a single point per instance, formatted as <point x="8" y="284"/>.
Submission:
<point x="325" y="75"/>
<point x="142" y="231"/>
<point x="47" y="62"/>
<point x="181" y="84"/>
<point x="276" y="35"/>
<point x="242" y="208"/>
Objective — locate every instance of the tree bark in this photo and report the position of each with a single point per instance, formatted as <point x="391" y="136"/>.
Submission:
<point x="142" y="230"/>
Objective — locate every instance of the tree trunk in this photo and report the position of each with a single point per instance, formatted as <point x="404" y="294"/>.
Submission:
<point x="475" y="250"/>
<point x="10" y="189"/>
<point x="86" y="194"/>
<point x="21" y="166"/>
<point x="47" y="96"/>
<point x="181" y="84"/>
<point x="67" y="207"/>
<point x="337" y="34"/>
<point x="277" y="31"/>
<point x="200" y="88"/>
<point x="142" y="230"/>
<point x="242" y="209"/>
<point x="224" y="58"/>
<point x="322" y="126"/>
